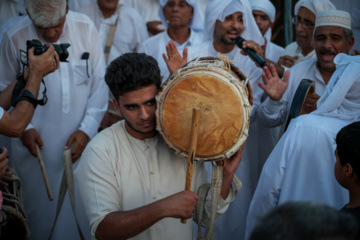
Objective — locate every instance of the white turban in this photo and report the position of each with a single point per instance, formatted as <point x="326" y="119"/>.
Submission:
<point x="220" y="9"/>
<point x="195" y="24"/>
<point x="264" y="6"/>
<point x="341" y="98"/>
<point x="333" y="17"/>
<point x="268" y="8"/>
<point x="314" y="6"/>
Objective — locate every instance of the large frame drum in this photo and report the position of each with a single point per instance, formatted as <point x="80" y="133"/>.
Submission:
<point x="224" y="97"/>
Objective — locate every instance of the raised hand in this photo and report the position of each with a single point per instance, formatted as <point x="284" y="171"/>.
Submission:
<point x="173" y="59"/>
<point x="273" y="86"/>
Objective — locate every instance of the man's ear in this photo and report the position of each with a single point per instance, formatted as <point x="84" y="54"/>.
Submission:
<point x="349" y="171"/>
<point x="117" y="106"/>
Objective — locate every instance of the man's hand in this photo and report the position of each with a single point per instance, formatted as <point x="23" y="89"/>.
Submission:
<point x="7" y="177"/>
<point x="180" y="205"/>
<point x="153" y="27"/>
<point x="288" y="61"/>
<point x="79" y="139"/>
<point x="173" y="60"/>
<point x="41" y="65"/>
<point x="254" y="46"/>
<point x="310" y="103"/>
<point x="30" y="138"/>
<point x="273" y="86"/>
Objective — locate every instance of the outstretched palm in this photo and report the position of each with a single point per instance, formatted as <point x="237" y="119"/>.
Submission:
<point x="273" y="86"/>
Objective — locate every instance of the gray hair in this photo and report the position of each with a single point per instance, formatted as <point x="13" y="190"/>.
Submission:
<point x="46" y="13"/>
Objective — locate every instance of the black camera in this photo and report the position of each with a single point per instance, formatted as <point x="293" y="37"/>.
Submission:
<point x="39" y="48"/>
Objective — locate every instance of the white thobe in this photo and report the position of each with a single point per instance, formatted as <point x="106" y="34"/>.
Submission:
<point x="118" y="172"/>
<point x="300" y="168"/>
<point x="156" y="46"/>
<point x="77" y="99"/>
<point x="11" y="8"/>
<point x="273" y="52"/>
<point x="130" y="29"/>
<point x="274" y="113"/>
<point x="293" y="49"/>
<point x="232" y="224"/>
<point x="75" y="5"/>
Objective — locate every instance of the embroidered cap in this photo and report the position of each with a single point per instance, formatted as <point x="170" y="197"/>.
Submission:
<point x="333" y="17"/>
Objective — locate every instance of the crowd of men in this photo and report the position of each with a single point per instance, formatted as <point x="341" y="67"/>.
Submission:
<point x="128" y="183"/>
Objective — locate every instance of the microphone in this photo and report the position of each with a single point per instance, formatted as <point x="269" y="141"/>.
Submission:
<point x="253" y="55"/>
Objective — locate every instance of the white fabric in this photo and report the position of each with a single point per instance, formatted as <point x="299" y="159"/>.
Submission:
<point x="118" y="172"/>
<point x="274" y="113"/>
<point x="75" y="5"/>
<point x="1" y="112"/>
<point x="202" y="6"/>
<point x="148" y="9"/>
<point x="11" y="8"/>
<point x="333" y="17"/>
<point x="301" y="167"/>
<point x="76" y="101"/>
<point x="196" y="23"/>
<point x="265" y="6"/>
<point x="273" y="52"/>
<point x="314" y="6"/>
<point x="232" y="224"/>
<point x="156" y="46"/>
<point x="130" y="29"/>
<point x="344" y="85"/>
<point x="220" y="9"/>
<point x="293" y="49"/>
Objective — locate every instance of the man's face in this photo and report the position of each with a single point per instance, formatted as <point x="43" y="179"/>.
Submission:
<point x="138" y="109"/>
<point x="225" y="32"/>
<point x="262" y="20"/>
<point x="304" y="30"/>
<point x="51" y="34"/>
<point x="107" y="5"/>
<point x="178" y="13"/>
<point x="329" y="41"/>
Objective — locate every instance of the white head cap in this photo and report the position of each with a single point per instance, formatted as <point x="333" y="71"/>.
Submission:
<point x="220" y="9"/>
<point x="265" y="6"/>
<point x="314" y="6"/>
<point x="333" y="17"/>
<point x="196" y="22"/>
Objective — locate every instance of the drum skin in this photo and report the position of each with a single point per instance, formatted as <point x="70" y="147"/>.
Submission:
<point x="224" y="110"/>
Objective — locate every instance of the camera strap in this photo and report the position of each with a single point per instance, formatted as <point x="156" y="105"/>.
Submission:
<point x="20" y="94"/>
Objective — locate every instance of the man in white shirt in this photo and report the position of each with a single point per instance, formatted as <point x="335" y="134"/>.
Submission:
<point x="130" y="181"/>
<point x="301" y="166"/>
<point x="303" y="48"/>
<point x="77" y="100"/>
<point x="130" y="30"/>
<point x="183" y="26"/>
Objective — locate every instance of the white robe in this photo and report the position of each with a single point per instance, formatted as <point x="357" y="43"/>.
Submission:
<point x="130" y="29"/>
<point x="75" y="101"/>
<point x="156" y="46"/>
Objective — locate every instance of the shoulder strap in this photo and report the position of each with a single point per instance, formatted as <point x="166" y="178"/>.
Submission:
<point x="111" y="35"/>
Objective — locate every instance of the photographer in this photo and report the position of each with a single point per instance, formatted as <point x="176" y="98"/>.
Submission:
<point x="13" y="123"/>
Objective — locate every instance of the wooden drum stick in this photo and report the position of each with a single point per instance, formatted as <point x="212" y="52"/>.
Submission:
<point x="43" y="171"/>
<point x="192" y="149"/>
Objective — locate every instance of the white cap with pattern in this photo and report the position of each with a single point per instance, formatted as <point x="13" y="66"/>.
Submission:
<point x="333" y="17"/>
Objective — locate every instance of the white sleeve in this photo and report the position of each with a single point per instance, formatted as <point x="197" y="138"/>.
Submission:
<point x="272" y="113"/>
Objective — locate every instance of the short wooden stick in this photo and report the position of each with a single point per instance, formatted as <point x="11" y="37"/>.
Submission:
<point x="43" y="171"/>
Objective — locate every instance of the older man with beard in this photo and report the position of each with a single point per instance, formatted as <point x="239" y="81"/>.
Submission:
<point x="301" y="165"/>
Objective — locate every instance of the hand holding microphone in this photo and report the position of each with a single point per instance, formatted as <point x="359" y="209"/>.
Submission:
<point x="252" y="54"/>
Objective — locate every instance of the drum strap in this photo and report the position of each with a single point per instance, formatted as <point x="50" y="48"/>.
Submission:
<point x="216" y="184"/>
<point x="67" y="182"/>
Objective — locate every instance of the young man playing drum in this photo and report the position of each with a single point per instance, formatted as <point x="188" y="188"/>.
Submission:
<point x="131" y="183"/>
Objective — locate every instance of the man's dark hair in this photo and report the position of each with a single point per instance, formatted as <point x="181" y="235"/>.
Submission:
<point x="348" y="146"/>
<point x="132" y="71"/>
<point x="305" y="221"/>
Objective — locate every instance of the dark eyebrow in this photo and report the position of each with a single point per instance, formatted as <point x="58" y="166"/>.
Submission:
<point x="135" y="104"/>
